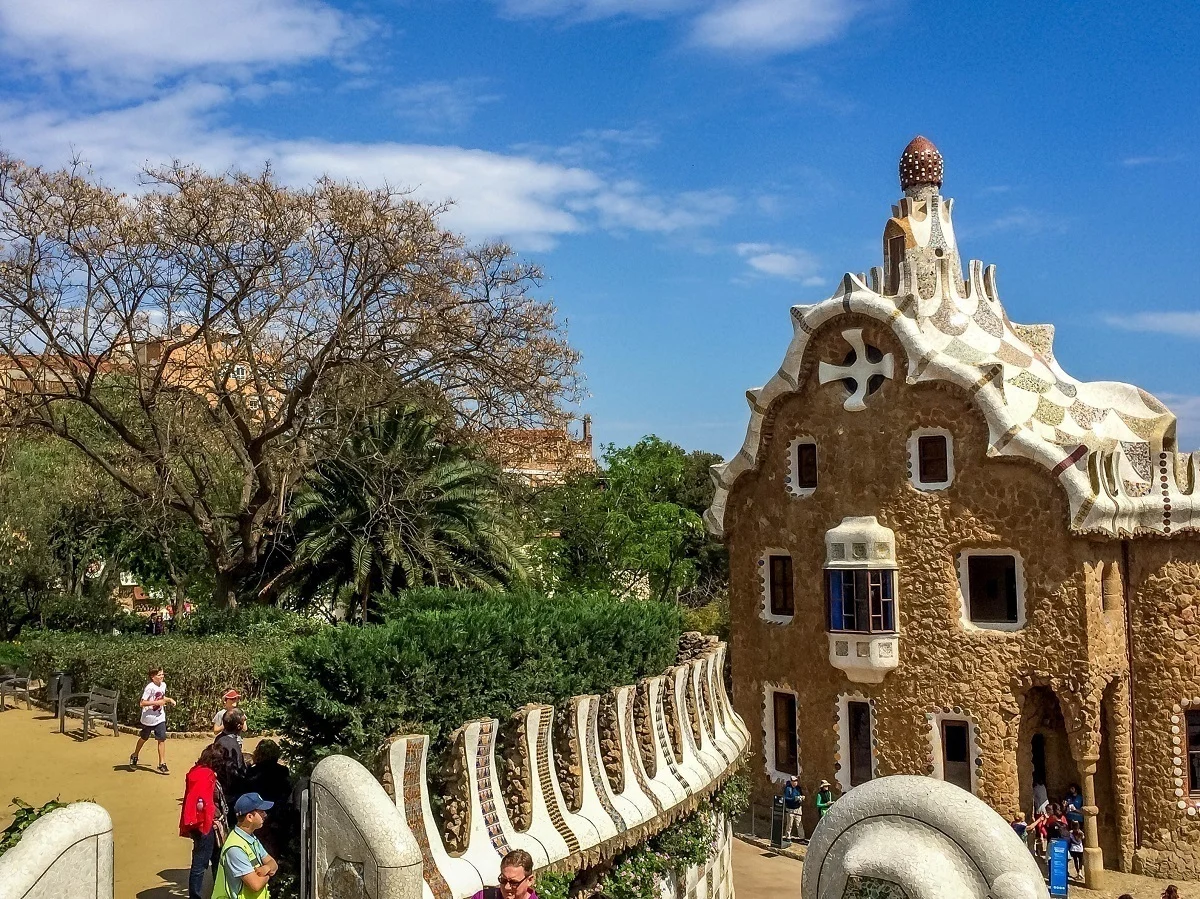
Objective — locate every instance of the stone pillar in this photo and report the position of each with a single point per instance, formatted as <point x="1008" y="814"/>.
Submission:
<point x="1093" y="857"/>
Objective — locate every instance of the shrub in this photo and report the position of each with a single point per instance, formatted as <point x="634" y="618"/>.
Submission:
<point x="12" y="655"/>
<point x="198" y="669"/>
<point x="442" y="658"/>
<point x="85" y="614"/>
<point x="248" y="621"/>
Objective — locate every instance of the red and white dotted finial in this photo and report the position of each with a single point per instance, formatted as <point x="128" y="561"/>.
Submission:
<point x="920" y="163"/>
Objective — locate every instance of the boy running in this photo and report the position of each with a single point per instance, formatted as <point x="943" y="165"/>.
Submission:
<point x="154" y="718"/>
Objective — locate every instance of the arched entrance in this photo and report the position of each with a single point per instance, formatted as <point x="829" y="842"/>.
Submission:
<point x="1043" y="751"/>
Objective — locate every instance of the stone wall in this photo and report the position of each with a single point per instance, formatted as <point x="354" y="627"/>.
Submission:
<point x="672" y="739"/>
<point x="1060" y="675"/>
<point x="1165" y="643"/>
<point x="67" y="854"/>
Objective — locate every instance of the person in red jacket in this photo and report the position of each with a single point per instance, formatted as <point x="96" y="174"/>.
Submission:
<point x="202" y="818"/>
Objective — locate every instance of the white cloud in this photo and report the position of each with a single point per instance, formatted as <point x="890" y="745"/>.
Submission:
<point x="525" y="200"/>
<point x="1176" y="324"/>
<point x="738" y="26"/>
<point x="1019" y="218"/>
<point x="1187" y="413"/>
<point x="772" y="25"/>
<point x="781" y="262"/>
<point x="149" y="39"/>
<point x="1138" y="161"/>
<point x="442" y="105"/>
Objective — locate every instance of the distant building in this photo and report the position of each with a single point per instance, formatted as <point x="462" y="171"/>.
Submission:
<point x="542" y="457"/>
<point x="949" y="557"/>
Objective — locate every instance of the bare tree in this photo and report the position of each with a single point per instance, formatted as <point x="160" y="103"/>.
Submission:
<point x="206" y="340"/>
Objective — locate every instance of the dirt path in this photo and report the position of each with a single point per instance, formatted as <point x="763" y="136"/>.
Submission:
<point x="37" y="763"/>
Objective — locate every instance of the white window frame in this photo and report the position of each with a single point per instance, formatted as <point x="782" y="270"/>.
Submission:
<point x="843" y="735"/>
<point x="937" y="750"/>
<point x="792" y="480"/>
<point x="768" y="717"/>
<point x="764" y="586"/>
<point x="964" y="589"/>
<point x="240" y="372"/>
<point x="914" y="459"/>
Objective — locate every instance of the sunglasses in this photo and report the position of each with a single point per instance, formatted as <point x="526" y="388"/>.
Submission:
<point x="505" y="882"/>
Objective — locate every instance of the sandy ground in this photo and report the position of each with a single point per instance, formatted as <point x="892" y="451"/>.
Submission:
<point x="37" y="764"/>
<point x="759" y="873"/>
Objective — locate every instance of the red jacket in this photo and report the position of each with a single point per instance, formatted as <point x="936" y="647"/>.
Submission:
<point x="201" y="782"/>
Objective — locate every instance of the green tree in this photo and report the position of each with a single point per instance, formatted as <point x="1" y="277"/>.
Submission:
<point x="635" y="526"/>
<point x="402" y="506"/>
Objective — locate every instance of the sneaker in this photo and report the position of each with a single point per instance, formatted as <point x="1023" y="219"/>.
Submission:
<point x="162" y="769"/>
<point x="133" y="761"/>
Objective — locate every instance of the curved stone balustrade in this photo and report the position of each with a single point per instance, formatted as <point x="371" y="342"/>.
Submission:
<point x="66" y="854"/>
<point x="605" y="819"/>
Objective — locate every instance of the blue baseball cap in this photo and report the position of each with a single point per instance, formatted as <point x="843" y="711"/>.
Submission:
<point x="250" y="802"/>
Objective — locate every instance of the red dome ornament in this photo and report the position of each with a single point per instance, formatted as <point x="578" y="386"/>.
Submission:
<point x="920" y="163"/>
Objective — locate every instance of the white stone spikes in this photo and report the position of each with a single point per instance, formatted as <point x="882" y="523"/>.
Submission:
<point x="605" y="816"/>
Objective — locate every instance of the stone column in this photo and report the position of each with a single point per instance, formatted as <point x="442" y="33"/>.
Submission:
<point x="1093" y="857"/>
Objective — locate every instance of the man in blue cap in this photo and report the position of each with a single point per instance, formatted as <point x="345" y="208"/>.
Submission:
<point x="245" y="868"/>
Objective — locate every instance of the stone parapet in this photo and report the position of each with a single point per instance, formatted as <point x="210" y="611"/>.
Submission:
<point x="66" y="854"/>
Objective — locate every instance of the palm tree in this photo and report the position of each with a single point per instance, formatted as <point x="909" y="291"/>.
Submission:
<point x="402" y="507"/>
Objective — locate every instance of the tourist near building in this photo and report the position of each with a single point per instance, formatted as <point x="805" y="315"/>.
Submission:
<point x="949" y="557"/>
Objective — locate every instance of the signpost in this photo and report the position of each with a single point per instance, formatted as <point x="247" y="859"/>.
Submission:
<point x="1056" y="862"/>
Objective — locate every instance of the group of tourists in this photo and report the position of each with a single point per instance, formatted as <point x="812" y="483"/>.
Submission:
<point x="239" y="840"/>
<point x="1059" y="820"/>
<point x="793" y="806"/>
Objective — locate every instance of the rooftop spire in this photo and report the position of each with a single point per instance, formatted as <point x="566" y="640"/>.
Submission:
<point x="920" y="163"/>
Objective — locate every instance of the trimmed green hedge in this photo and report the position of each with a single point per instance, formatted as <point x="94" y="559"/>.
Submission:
<point x="443" y="657"/>
<point x="198" y="669"/>
<point x="12" y="655"/>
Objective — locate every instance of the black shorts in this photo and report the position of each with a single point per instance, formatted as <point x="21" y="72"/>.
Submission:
<point x="158" y="731"/>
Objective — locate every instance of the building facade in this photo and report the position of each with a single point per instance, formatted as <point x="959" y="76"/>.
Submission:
<point x="948" y="557"/>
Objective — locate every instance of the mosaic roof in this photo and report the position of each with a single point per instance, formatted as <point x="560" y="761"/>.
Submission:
<point x="1111" y="445"/>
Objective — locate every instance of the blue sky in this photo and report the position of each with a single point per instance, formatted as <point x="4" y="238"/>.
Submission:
<point x="685" y="170"/>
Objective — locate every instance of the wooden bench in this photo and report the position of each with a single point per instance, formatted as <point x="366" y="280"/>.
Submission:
<point x="17" y="685"/>
<point x="99" y="703"/>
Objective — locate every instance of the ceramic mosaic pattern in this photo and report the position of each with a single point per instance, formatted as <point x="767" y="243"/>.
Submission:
<point x="487" y="800"/>
<point x="664" y="741"/>
<point x="959" y="333"/>
<point x="872" y="888"/>
<point x="414" y="814"/>
<point x="634" y="755"/>
<point x="593" y="761"/>
<point x="543" y="767"/>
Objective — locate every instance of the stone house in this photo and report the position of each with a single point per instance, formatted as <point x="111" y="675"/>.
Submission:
<point x="949" y="557"/>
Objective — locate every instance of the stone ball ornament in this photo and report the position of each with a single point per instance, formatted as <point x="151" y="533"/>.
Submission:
<point x="920" y="163"/>
<point x="920" y="838"/>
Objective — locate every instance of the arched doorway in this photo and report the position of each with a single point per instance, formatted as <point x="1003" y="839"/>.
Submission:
<point x="1043" y="751"/>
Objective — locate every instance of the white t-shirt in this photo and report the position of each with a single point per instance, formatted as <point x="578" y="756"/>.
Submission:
<point x="152" y="715"/>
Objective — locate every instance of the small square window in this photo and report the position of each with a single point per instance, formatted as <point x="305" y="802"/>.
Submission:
<point x="806" y="466"/>
<point x="933" y="459"/>
<point x="992" y="588"/>
<point x="239" y="372"/>
<point x="782" y="599"/>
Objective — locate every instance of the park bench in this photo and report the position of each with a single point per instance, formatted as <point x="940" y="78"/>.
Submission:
<point x="17" y="685"/>
<point x="99" y="703"/>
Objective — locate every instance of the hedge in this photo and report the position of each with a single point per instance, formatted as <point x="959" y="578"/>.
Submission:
<point x="12" y="655"/>
<point x="198" y="669"/>
<point x="442" y="658"/>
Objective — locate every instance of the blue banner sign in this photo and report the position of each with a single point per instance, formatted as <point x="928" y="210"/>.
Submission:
<point x="1056" y="861"/>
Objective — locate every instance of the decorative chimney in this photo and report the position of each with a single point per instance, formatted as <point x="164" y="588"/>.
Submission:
<point x="920" y="232"/>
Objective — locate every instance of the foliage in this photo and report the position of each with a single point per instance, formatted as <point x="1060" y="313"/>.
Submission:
<point x="198" y="669"/>
<point x="251" y="622"/>
<point x="690" y="841"/>
<point x="26" y="814"/>
<point x="553" y="885"/>
<point x="710" y="618"/>
<point x="13" y="655"/>
<point x="401" y="506"/>
<point x="99" y="615"/>
<point x="636" y="526"/>
<point x="206" y="340"/>
<point x="442" y="658"/>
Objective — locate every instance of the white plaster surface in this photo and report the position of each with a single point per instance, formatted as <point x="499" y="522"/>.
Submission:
<point x="355" y="822"/>
<point x="67" y="854"/>
<point x="931" y="838"/>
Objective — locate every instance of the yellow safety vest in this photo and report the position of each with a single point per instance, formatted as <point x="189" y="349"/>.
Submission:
<point x="221" y="887"/>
